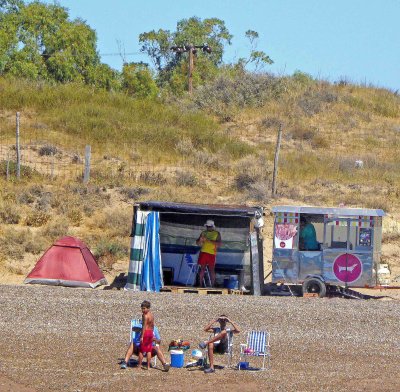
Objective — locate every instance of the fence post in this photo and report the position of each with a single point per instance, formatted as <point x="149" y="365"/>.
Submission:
<point x="52" y="166"/>
<point x="17" y="145"/>
<point x="276" y="158"/>
<point x="8" y="166"/>
<point x="86" y="174"/>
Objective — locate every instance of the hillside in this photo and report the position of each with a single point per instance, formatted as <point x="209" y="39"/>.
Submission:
<point x="216" y="147"/>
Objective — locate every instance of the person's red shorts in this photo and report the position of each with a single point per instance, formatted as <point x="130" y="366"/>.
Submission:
<point x="206" y="259"/>
<point x="146" y="346"/>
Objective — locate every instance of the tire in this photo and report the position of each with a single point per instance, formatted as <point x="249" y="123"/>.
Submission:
<point x="314" y="285"/>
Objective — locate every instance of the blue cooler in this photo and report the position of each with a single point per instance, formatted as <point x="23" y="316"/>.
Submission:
<point x="177" y="358"/>
<point x="231" y="282"/>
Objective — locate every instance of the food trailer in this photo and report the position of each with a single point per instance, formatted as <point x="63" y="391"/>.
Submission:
<point x="320" y="248"/>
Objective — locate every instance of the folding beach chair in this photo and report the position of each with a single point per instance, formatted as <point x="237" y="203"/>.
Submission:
<point x="229" y="352"/>
<point x="134" y="335"/>
<point x="194" y="270"/>
<point x="257" y="346"/>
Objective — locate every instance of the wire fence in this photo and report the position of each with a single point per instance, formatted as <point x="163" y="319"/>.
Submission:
<point x="38" y="151"/>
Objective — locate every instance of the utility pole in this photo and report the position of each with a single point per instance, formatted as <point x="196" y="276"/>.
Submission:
<point x="192" y="50"/>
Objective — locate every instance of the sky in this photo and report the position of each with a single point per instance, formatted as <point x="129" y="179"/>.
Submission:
<point x="353" y="40"/>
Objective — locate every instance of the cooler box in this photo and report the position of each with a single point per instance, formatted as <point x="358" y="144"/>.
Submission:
<point x="177" y="358"/>
<point x="231" y="282"/>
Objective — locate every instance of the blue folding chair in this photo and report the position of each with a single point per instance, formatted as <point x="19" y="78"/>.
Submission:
<point x="258" y="345"/>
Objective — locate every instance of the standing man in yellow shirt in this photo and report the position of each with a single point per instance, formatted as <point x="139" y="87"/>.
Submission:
<point x="209" y="240"/>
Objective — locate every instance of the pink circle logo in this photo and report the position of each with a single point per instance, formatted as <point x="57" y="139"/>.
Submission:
<point x="347" y="268"/>
<point x="282" y="244"/>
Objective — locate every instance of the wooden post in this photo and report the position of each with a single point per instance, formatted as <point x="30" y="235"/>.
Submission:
<point x="52" y="166"/>
<point x="276" y="159"/>
<point x="86" y="174"/>
<point x="17" y="145"/>
<point x="8" y="166"/>
<point x="190" y="72"/>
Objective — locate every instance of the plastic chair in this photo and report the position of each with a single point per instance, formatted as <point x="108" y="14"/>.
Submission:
<point x="135" y="334"/>
<point x="257" y="346"/>
<point x="229" y="351"/>
<point x="194" y="270"/>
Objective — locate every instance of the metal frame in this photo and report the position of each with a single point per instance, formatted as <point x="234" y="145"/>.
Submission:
<point x="259" y="341"/>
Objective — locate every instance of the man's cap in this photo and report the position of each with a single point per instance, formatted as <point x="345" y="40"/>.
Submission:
<point x="209" y="223"/>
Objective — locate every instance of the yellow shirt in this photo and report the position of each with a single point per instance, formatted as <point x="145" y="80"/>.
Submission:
<point x="210" y="247"/>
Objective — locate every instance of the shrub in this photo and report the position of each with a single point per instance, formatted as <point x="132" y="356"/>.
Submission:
<point x="184" y="178"/>
<point x="37" y="218"/>
<point x="55" y="229"/>
<point x="134" y="193"/>
<point x="48" y="150"/>
<point x="243" y="181"/>
<point x="152" y="178"/>
<point x="107" y="253"/>
<point x="9" y="214"/>
<point x="75" y="216"/>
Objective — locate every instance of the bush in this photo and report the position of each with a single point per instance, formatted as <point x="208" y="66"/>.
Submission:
<point x="243" y="181"/>
<point x="184" y="178"/>
<point x="134" y="193"/>
<point x="107" y="253"/>
<point x="9" y="214"/>
<point x="37" y="218"/>
<point x="55" y="229"/>
<point x="152" y="178"/>
<point x="48" y="150"/>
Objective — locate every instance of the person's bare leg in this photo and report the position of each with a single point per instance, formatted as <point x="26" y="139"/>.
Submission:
<point x="148" y="355"/>
<point x="129" y="353"/>
<point x="140" y="359"/>
<point x="211" y="270"/>
<point x="211" y="354"/>
<point x="220" y="336"/>
<point x="160" y="355"/>
<point x="201" y="275"/>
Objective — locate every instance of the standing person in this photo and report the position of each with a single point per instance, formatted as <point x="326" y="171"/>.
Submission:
<point x="209" y="240"/>
<point x="134" y="347"/>
<point x="147" y="334"/>
<point x="221" y="335"/>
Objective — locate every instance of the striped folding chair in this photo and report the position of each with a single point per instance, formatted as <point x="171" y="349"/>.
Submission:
<point x="257" y="346"/>
<point x="134" y="335"/>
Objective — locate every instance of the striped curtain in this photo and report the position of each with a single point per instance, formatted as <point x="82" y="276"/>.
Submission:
<point x="138" y="244"/>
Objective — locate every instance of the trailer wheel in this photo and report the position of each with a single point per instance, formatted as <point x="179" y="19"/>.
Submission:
<point x="314" y="285"/>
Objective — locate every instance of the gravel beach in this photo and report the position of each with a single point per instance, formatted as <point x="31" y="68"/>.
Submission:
<point x="55" y="338"/>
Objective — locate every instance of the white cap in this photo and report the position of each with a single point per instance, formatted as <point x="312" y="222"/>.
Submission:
<point x="209" y="223"/>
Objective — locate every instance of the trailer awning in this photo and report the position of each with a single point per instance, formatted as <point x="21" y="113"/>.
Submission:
<point x="340" y="211"/>
<point x="204" y="209"/>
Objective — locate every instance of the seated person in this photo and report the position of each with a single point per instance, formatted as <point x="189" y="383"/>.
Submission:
<point x="134" y="347"/>
<point x="221" y="335"/>
<point x="308" y="236"/>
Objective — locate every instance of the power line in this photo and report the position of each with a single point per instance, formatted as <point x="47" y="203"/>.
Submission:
<point x="119" y="54"/>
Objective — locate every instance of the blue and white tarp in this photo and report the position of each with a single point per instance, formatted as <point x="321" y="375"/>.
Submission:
<point x="145" y="271"/>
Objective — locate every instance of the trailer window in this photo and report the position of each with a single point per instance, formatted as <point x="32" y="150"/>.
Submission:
<point x="311" y="232"/>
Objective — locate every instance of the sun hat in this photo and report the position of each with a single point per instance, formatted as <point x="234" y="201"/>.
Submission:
<point x="209" y="223"/>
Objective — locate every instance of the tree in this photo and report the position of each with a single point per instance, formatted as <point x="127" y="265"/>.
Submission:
<point x="172" y="68"/>
<point x="138" y="81"/>
<point x="38" y="41"/>
<point x="257" y="58"/>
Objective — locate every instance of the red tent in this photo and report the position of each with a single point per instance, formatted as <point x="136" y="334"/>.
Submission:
<point x="68" y="262"/>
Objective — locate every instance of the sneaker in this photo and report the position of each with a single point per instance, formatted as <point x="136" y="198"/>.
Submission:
<point x="124" y="365"/>
<point x="166" y="366"/>
<point x="209" y="370"/>
<point x="202" y="345"/>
